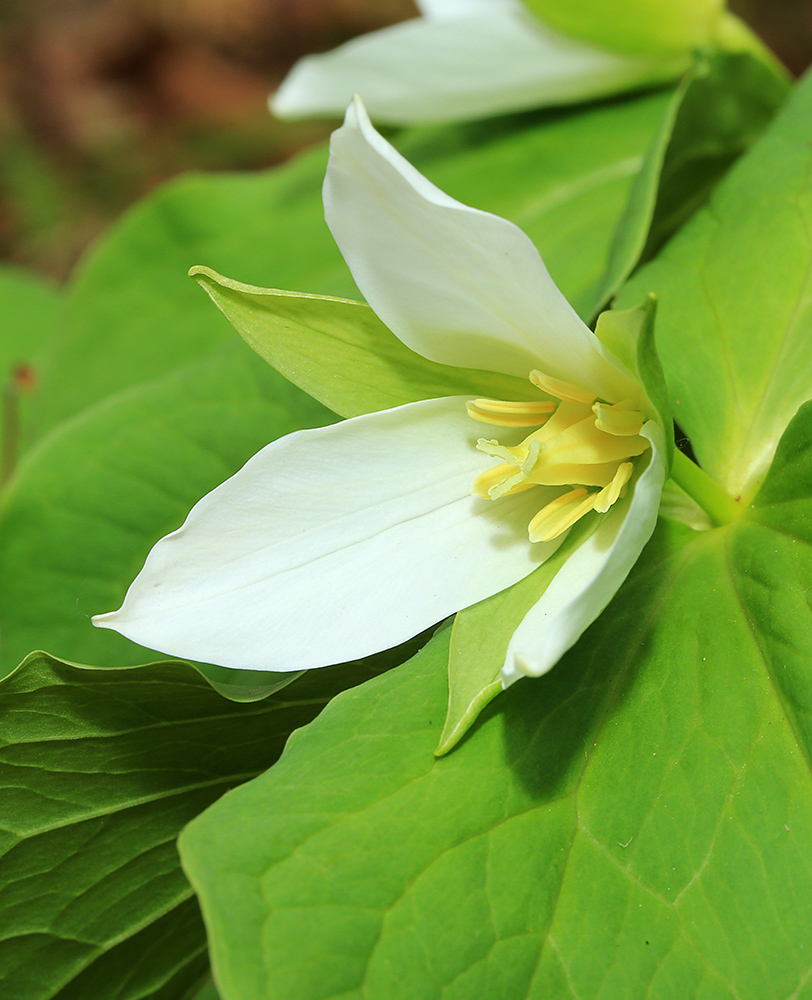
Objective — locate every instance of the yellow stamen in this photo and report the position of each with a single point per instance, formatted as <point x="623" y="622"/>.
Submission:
<point x="504" y="413"/>
<point x="560" y="389"/>
<point x="584" y="443"/>
<point x="554" y="519"/>
<point x="611" y="494"/>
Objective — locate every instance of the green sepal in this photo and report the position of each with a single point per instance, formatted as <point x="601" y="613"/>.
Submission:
<point x="339" y="352"/>
<point x="482" y="633"/>
<point x="629" y="335"/>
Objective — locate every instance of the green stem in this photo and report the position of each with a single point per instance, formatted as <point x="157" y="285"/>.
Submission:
<point x="720" y="507"/>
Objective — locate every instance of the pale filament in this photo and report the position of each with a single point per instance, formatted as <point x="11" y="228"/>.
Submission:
<point x="579" y="441"/>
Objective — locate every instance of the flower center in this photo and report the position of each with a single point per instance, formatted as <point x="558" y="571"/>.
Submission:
<point x="578" y="442"/>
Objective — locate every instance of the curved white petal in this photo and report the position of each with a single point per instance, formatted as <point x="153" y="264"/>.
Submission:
<point x="331" y="544"/>
<point x="590" y="577"/>
<point x="457" y="285"/>
<point x="451" y="66"/>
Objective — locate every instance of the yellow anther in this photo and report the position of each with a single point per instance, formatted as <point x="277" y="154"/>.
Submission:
<point x="621" y="419"/>
<point x="504" y="413"/>
<point x="498" y="481"/>
<point x="611" y="494"/>
<point x="559" y="515"/>
<point x="560" y="389"/>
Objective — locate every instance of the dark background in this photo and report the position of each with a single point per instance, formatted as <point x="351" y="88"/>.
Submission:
<point x="102" y="99"/>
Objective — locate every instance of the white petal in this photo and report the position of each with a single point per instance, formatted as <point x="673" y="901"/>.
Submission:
<point x="457" y="285"/>
<point x="590" y="577"/>
<point x="331" y="544"/>
<point x="452" y="66"/>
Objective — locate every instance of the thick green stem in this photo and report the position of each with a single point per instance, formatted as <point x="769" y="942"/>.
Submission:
<point x="720" y="507"/>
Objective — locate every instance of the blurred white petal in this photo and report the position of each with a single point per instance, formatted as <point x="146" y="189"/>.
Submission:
<point x="455" y="64"/>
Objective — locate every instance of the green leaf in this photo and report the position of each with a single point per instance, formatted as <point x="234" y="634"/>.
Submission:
<point x="208" y="992"/>
<point x="89" y="502"/>
<point x="636" y="823"/>
<point x="734" y="321"/>
<point x="339" y="352"/>
<point x="100" y="769"/>
<point x="721" y="107"/>
<point x="29" y="320"/>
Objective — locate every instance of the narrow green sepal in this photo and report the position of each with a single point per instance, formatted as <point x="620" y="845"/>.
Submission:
<point x="629" y="335"/>
<point x="482" y="633"/>
<point x="339" y="352"/>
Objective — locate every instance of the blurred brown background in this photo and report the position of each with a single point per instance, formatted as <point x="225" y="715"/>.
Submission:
<point x="102" y="99"/>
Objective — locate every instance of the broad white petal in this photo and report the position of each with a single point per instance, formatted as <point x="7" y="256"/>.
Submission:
<point x="331" y="544"/>
<point x="457" y="285"/>
<point x="590" y="577"/>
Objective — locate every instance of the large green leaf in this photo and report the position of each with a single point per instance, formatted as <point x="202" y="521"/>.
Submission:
<point x="636" y="823"/>
<point x="734" y="287"/>
<point x="100" y="769"/>
<point x="88" y="503"/>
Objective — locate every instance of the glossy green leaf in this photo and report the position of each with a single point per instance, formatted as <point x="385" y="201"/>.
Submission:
<point x="90" y="501"/>
<point x="339" y="352"/>
<point x="636" y="823"/>
<point x="100" y="769"/>
<point x="734" y="289"/>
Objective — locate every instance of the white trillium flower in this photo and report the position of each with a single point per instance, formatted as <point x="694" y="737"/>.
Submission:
<point x="335" y="543"/>
<point x="464" y="59"/>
